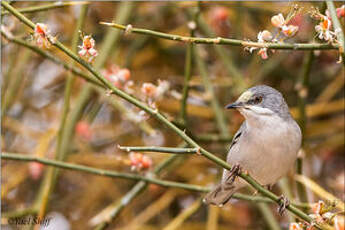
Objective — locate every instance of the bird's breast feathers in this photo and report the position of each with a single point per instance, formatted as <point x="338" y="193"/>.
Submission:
<point x="269" y="150"/>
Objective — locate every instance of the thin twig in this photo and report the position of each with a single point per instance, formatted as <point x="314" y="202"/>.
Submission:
<point x="302" y="100"/>
<point x="55" y="5"/>
<point x="226" y="41"/>
<point x="158" y="149"/>
<point x="187" y="77"/>
<point x="130" y="176"/>
<point x="219" y="113"/>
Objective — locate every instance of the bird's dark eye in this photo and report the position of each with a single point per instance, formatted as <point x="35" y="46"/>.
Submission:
<point x="257" y="100"/>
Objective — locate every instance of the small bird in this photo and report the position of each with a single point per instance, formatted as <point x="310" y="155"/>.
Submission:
<point x="266" y="145"/>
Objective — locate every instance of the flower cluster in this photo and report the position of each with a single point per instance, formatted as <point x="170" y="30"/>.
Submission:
<point x="41" y="35"/>
<point x="139" y="161"/>
<point x="321" y="214"/>
<point x="284" y="29"/>
<point x="87" y="49"/>
<point x="153" y="93"/>
<point x="118" y="77"/>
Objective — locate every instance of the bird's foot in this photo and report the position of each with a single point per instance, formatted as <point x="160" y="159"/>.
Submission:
<point x="284" y="202"/>
<point x="234" y="172"/>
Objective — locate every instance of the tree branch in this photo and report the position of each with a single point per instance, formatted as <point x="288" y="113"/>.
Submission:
<point x="226" y="41"/>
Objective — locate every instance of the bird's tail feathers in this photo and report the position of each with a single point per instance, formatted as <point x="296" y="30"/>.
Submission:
<point x="220" y="195"/>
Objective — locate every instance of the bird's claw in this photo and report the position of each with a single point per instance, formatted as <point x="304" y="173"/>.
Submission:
<point x="234" y="172"/>
<point x="283" y="205"/>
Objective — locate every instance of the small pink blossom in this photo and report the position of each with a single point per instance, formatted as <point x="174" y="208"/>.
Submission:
<point x="154" y="92"/>
<point x="263" y="53"/>
<point x="119" y="77"/>
<point x="341" y="11"/>
<point x="219" y="17"/>
<point x="290" y="30"/>
<point x="278" y="20"/>
<point x="83" y="130"/>
<point x="139" y="161"/>
<point x="324" y="29"/>
<point x="41" y="34"/>
<point x="318" y="207"/>
<point x="36" y="170"/>
<point x="264" y="36"/>
<point x="295" y="226"/>
<point x="87" y="49"/>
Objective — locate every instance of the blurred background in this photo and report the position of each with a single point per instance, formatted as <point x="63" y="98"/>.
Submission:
<point x="32" y="105"/>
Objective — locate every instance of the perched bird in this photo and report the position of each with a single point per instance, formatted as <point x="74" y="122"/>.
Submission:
<point x="265" y="146"/>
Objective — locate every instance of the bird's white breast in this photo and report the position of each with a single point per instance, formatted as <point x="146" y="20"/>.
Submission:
<point x="268" y="149"/>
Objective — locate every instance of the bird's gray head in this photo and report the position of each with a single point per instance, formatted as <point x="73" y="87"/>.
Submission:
<point x="261" y="101"/>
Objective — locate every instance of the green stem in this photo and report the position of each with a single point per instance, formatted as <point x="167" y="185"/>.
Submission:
<point x="187" y="76"/>
<point x="268" y="216"/>
<point x="337" y="27"/>
<point x="161" y="118"/>
<point x="211" y="137"/>
<point x="130" y="176"/>
<point x="227" y="41"/>
<point x="56" y="5"/>
<point x="303" y="93"/>
<point x="158" y="149"/>
<point x="16" y="78"/>
<point x="220" y="118"/>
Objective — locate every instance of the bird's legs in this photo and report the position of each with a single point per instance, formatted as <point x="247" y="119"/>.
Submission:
<point x="234" y="172"/>
<point x="283" y="205"/>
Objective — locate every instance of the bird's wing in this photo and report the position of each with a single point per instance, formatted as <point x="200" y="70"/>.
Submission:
<point x="238" y="135"/>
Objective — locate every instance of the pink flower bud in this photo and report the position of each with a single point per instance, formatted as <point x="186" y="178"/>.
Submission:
<point x="35" y="170"/>
<point x="83" y="130"/>
<point x="41" y="33"/>
<point x="149" y="89"/>
<point x="263" y="53"/>
<point x="341" y="11"/>
<point x="278" y="20"/>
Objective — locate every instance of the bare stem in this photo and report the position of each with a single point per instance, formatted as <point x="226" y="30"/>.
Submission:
<point x="113" y="174"/>
<point x="226" y="41"/>
<point x="159" y="149"/>
<point x="55" y="5"/>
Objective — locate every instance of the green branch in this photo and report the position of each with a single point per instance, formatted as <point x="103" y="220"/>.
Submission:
<point x="226" y="41"/>
<point x="39" y="8"/>
<point x="113" y="174"/>
<point x="161" y="118"/>
<point x="159" y="149"/>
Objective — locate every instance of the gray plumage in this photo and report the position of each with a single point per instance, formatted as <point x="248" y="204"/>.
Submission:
<point x="266" y="144"/>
